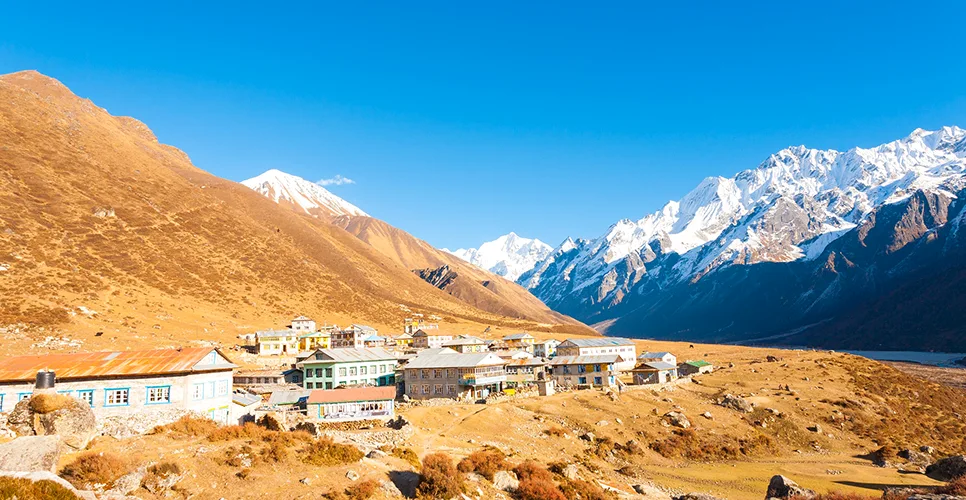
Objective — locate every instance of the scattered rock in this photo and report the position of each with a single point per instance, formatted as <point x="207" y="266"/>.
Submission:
<point x="160" y="482"/>
<point x="377" y="454"/>
<point x="571" y="472"/>
<point x="815" y="428"/>
<point x="31" y="454"/>
<point x="782" y="487"/>
<point x="634" y="471"/>
<point x="505" y="480"/>
<point x="390" y="489"/>
<point x="306" y="481"/>
<point x="352" y="475"/>
<point x="677" y="419"/>
<point x="916" y="457"/>
<point x="948" y="468"/>
<point x="696" y="496"/>
<point x="589" y="436"/>
<point x="708" y="415"/>
<point x="927" y="449"/>
<point x="603" y="423"/>
<point x="127" y="483"/>
<point x="735" y="403"/>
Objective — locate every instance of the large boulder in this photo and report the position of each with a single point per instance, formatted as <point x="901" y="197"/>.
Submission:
<point x="677" y="419"/>
<point x="505" y="480"/>
<point x="31" y="454"/>
<point x="782" y="487"/>
<point x="948" y="468"/>
<point x="735" y="403"/>
<point x="48" y="414"/>
<point x="696" y="496"/>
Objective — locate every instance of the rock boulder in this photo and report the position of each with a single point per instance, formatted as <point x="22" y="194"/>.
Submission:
<point x="677" y="419"/>
<point x="948" y="468"/>
<point x="31" y="454"/>
<point x="735" y="403"/>
<point x="48" y="414"/>
<point x="505" y="480"/>
<point x="782" y="487"/>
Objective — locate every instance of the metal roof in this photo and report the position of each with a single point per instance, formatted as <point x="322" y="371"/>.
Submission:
<point x="275" y="333"/>
<point x="655" y="366"/>
<point x="601" y="342"/>
<point x="245" y="398"/>
<point x="464" y="341"/>
<point x="349" y="355"/>
<point x="352" y="394"/>
<point x="288" y="397"/>
<point x="653" y="355"/>
<point x="587" y="360"/>
<point x="454" y="360"/>
<point x="111" y="364"/>
<point x="697" y="363"/>
<point x="518" y="336"/>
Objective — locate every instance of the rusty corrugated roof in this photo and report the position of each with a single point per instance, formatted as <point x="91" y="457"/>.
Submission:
<point x="352" y="394"/>
<point x="105" y="364"/>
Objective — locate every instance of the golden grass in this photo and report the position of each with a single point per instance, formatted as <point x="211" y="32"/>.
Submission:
<point x="485" y="462"/>
<point x="406" y="454"/>
<point x="95" y="468"/>
<point x="25" y="489"/>
<point x="326" y="452"/>
<point x="49" y="403"/>
<point x="188" y="426"/>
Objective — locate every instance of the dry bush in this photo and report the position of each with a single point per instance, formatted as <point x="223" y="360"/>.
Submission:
<point x="439" y="478"/>
<point x="156" y="474"/>
<point x="275" y="452"/>
<point x="406" y="454"/>
<point x="585" y="490"/>
<point x="955" y="487"/>
<point x="95" y="468"/>
<point x="268" y="422"/>
<point x="530" y="469"/>
<point x="536" y="483"/>
<point x="188" y="426"/>
<point x="555" y="431"/>
<point x="233" y="456"/>
<point x="362" y="490"/>
<point x="25" y="489"/>
<point x="49" y="403"/>
<point x="232" y="432"/>
<point x="887" y="453"/>
<point x="686" y="443"/>
<point x="485" y="462"/>
<point x="835" y="495"/>
<point x="326" y="452"/>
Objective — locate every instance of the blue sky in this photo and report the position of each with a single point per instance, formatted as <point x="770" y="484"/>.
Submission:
<point x="461" y="122"/>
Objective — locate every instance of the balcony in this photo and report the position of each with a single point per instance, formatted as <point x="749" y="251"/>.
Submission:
<point x="483" y="379"/>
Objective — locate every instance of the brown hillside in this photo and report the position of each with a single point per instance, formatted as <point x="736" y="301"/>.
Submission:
<point x="104" y="229"/>
<point x="473" y="285"/>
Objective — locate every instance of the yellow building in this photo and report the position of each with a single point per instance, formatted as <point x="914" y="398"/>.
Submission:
<point x="522" y="341"/>
<point x="404" y="340"/>
<point x="315" y="340"/>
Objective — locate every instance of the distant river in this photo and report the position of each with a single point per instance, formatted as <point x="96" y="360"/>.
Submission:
<point x="927" y="358"/>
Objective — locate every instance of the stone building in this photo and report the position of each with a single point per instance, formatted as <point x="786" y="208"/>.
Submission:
<point x="357" y="403"/>
<point x="657" y="356"/>
<point x="694" y="367"/>
<point x="654" y="372"/>
<point x="122" y="383"/>
<point x="466" y="344"/>
<point x="454" y="375"/>
<point x="545" y="348"/>
<point x="430" y="339"/>
<point x="520" y="341"/>
<point x="599" y="370"/>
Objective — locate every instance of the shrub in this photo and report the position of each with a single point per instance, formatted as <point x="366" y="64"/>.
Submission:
<point x="530" y="469"/>
<point x="555" y="431"/>
<point x="326" y="452"/>
<point x="156" y="474"/>
<point x="834" y="495"/>
<point x="362" y="490"/>
<point x="268" y="422"/>
<point x="275" y="452"/>
<point x="486" y="462"/>
<point x="25" y="489"/>
<point x="48" y="403"/>
<point x="231" y="432"/>
<point x="955" y="487"/>
<point x="536" y="489"/>
<point x="95" y="468"/>
<point x="585" y="490"/>
<point x="439" y="478"/>
<point x="188" y="426"/>
<point x="408" y="455"/>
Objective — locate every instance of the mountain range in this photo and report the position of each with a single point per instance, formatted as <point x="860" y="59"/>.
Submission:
<point x="118" y="241"/>
<point x="795" y="250"/>
<point x="508" y="256"/>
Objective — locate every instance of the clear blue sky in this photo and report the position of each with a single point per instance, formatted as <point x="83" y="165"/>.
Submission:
<point x="460" y="123"/>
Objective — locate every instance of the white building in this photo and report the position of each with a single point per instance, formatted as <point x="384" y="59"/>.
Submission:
<point x="545" y="348"/>
<point x="599" y="370"/>
<point x="625" y="348"/>
<point x="277" y="342"/>
<point x="431" y="339"/>
<point x="303" y="324"/>
<point x="123" y="383"/>
<point x="664" y="357"/>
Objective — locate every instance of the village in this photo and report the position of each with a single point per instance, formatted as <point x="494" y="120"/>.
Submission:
<point x="333" y="374"/>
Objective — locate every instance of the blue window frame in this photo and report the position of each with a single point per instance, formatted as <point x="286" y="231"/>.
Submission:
<point x="23" y="395"/>
<point x="1" y="402"/>
<point x="118" y="396"/>
<point x="597" y="381"/>
<point x="86" y="395"/>
<point x="582" y="380"/>
<point x="158" y="395"/>
<point x="197" y="392"/>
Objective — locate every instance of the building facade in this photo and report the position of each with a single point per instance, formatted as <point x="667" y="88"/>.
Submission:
<point x="599" y="370"/>
<point x="349" y="367"/>
<point x="123" y="383"/>
<point x="665" y="357"/>
<point x="522" y="341"/>
<point x="454" y="375"/>
<point x="546" y="348"/>
<point x="625" y="348"/>
<point x="695" y="367"/>
<point x="360" y="403"/>
<point x="303" y="324"/>
<point x="277" y="342"/>
<point x="430" y="339"/>
<point x="525" y="372"/>
<point x="654" y="372"/>
<point x="466" y="344"/>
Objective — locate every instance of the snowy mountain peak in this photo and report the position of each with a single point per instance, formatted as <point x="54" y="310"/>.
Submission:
<point x="509" y="255"/>
<point x="302" y="195"/>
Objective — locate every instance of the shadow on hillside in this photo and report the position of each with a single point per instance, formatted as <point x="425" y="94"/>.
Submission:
<point x="406" y="481"/>
<point x="875" y="486"/>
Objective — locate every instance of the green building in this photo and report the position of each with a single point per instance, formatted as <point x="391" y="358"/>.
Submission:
<point x="331" y="368"/>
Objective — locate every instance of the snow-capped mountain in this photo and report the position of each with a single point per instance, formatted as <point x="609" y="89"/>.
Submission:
<point x="508" y="256"/>
<point x="301" y="194"/>
<point x="789" y="208"/>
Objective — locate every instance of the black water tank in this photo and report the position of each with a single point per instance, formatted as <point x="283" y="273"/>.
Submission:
<point x="45" y="380"/>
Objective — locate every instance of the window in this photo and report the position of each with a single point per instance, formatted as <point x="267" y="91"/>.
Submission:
<point x="438" y="373"/>
<point x="86" y="396"/>
<point x="310" y="385"/>
<point x="582" y="380"/>
<point x="328" y="385"/>
<point x="342" y="372"/>
<point x="22" y="396"/>
<point x="197" y="392"/>
<point x="450" y="389"/>
<point x="363" y="371"/>
<point x="353" y="371"/>
<point x="423" y="373"/>
<point x="597" y="380"/>
<point x="328" y="372"/>
<point x="1" y="402"/>
<point x="159" y="395"/>
<point x="382" y="368"/>
<point x="596" y="368"/>
<point x="372" y="369"/>
<point x="438" y="389"/>
<point x="116" y="397"/>
<point x="425" y="388"/>
<point x="209" y="389"/>
<point x="222" y="388"/>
